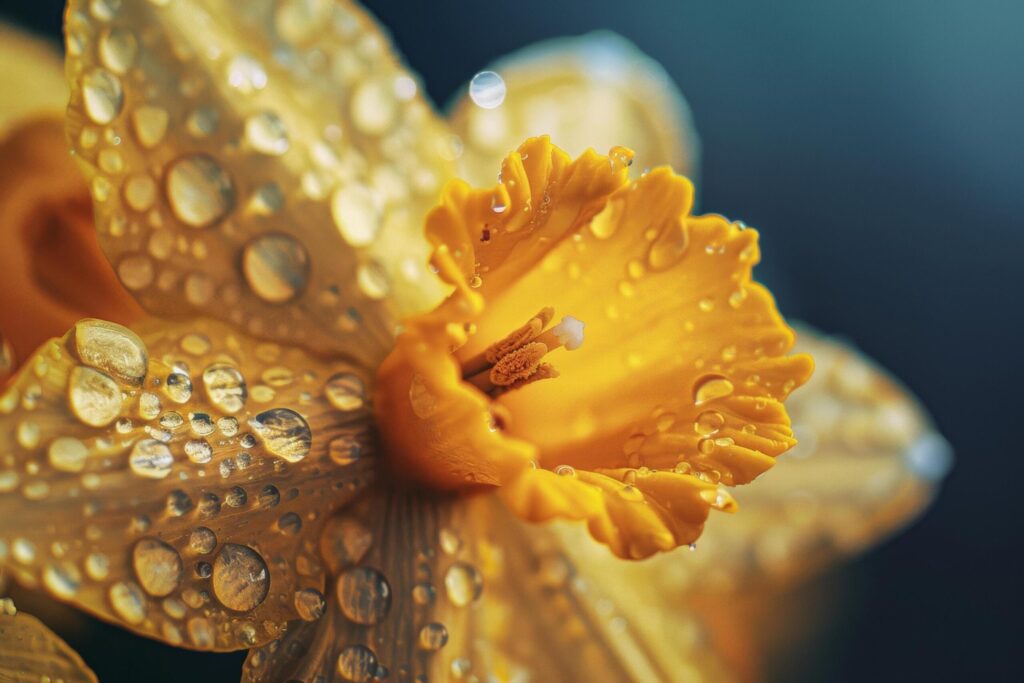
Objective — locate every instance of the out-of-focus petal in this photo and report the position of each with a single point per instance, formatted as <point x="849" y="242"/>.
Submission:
<point x="594" y="91"/>
<point x="52" y="271"/>
<point x="31" y="77"/>
<point x="30" y="652"/>
<point x="265" y="163"/>
<point x="176" y="482"/>
<point x="458" y="589"/>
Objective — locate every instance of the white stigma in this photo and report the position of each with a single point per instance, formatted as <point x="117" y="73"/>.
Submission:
<point x="569" y="332"/>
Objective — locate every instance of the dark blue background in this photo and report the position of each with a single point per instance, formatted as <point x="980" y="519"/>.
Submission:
<point x="878" y="146"/>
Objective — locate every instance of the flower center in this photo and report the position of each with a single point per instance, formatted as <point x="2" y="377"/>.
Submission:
<point x="517" y="359"/>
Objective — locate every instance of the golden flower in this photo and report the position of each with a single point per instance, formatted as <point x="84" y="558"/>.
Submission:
<point x="292" y="455"/>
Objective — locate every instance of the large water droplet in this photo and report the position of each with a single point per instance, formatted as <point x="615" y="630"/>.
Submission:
<point x="284" y="433"/>
<point x="199" y="191"/>
<point x="157" y="566"/>
<point x="276" y="267"/>
<point x="356" y="214"/>
<point x="128" y="601"/>
<point x="463" y="584"/>
<point x="151" y="459"/>
<point x="487" y="90"/>
<point x="345" y="391"/>
<point x="226" y="387"/>
<point x="93" y="396"/>
<point x="240" y="577"/>
<point x="114" y="349"/>
<point x="266" y="133"/>
<point x="710" y="388"/>
<point x="102" y="95"/>
<point x="357" y="664"/>
<point x="364" y="595"/>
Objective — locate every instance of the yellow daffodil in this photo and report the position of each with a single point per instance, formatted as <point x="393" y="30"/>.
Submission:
<point x="319" y="447"/>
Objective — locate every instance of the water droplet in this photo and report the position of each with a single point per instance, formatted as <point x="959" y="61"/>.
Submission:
<point x="150" y="125"/>
<point x="355" y="211"/>
<point x="710" y="388"/>
<point x="246" y="74"/>
<point x="276" y="267"/>
<point x="487" y="90"/>
<point x="97" y="566"/>
<point x="62" y="579"/>
<point x="345" y="449"/>
<point x="463" y="584"/>
<point x="228" y="426"/>
<point x="200" y="632"/>
<point x="94" y="397"/>
<point x="240" y="577"/>
<point x="269" y="496"/>
<point x="202" y="540"/>
<point x="364" y="595"/>
<point x="344" y="542"/>
<point x="266" y="133"/>
<point x="199" y="451"/>
<point x="345" y="391"/>
<point x="149" y="406"/>
<point x="178" y="386"/>
<point x="310" y="604"/>
<point x="284" y="433"/>
<point x="151" y="459"/>
<point x="433" y="636"/>
<point x="136" y="271"/>
<point x="373" y="280"/>
<point x="565" y="471"/>
<point x="226" y="387"/>
<point x="668" y="247"/>
<point x="118" y="49"/>
<point x="449" y="541"/>
<point x="113" y="349"/>
<point x="708" y="422"/>
<point x="67" y="454"/>
<point x="201" y="424"/>
<point x="289" y="524"/>
<point x="102" y="95"/>
<point x="357" y="664"/>
<point x="199" y="191"/>
<point x="423" y="593"/>
<point x="128" y="601"/>
<point x="373" y="107"/>
<point x="157" y="566"/>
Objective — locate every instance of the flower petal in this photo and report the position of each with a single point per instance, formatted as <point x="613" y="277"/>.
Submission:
<point x="594" y="91"/>
<point x="52" y="272"/>
<point x="30" y="652"/>
<point x="265" y="163"/>
<point x="474" y="592"/>
<point x="868" y="463"/>
<point x="176" y="481"/>
<point x="31" y="77"/>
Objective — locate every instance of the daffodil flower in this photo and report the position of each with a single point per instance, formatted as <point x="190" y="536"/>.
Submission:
<point x="321" y="448"/>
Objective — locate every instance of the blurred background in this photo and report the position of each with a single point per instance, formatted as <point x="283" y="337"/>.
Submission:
<point x="878" y="147"/>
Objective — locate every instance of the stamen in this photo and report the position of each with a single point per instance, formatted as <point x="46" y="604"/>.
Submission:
<point x="515" y="360"/>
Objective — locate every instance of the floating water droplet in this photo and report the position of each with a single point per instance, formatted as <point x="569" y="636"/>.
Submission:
<point x="487" y="90"/>
<point x="357" y="663"/>
<point x="364" y="595"/>
<point x="128" y="601"/>
<point x="157" y="566"/>
<point x="276" y="267"/>
<point x="284" y="433"/>
<point x="151" y="459"/>
<point x="200" y="193"/>
<point x="266" y="133"/>
<point x="310" y="604"/>
<point x="202" y="540"/>
<point x="113" y="349"/>
<point x="102" y="95"/>
<point x="93" y="396"/>
<point x="67" y="454"/>
<point x="240" y="577"/>
<point x="355" y="211"/>
<point x="710" y="388"/>
<point x="463" y="584"/>
<point x="118" y="49"/>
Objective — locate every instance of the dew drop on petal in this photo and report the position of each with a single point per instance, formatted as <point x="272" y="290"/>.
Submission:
<point x="157" y="566"/>
<point x="103" y="96"/>
<point x="202" y="540"/>
<point x="118" y="48"/>
<point x="266" y="133"/>
<point x="151" y="459"/>
<point x="310" y="604"/>
<point x="284" y="433"/>
<point x="345" y="449"/>
<point x="241" y="579"/>
<point x="357" y="664"/>
<point x="276" y="267"/>
<point x="113" y="349"/>
<point x="364" y="595"/>
<point x="710" y="388"/>
<point x="433" y="636"/>
<point x="246" y="74"/>
<point x="345" y="391"/>
<point x="199" y="191"/>
<point x="128" y="601"/>
<point x="178" y="386"/>
<point x="150" y="125"/>
<point x="487" y="90"/>
<point x="225" y="387"/>
<point x="67" y="454"/>
<point x="355" y="212"/>
<point x="62" y="579"/>
<point x="463" y="584"/>
<point x="93" y="396"/>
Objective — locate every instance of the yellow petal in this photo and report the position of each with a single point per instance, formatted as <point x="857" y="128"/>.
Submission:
<point x="596" y="90"/>
<point x="52" y="271"/>
<point x="265" y="163"/>
<point x="30" y="652"/>
<point x="176" y="481"/>
<point x="679" y="383"/>
<point x="473" y="592"/>
<point x="31" y="78"/>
